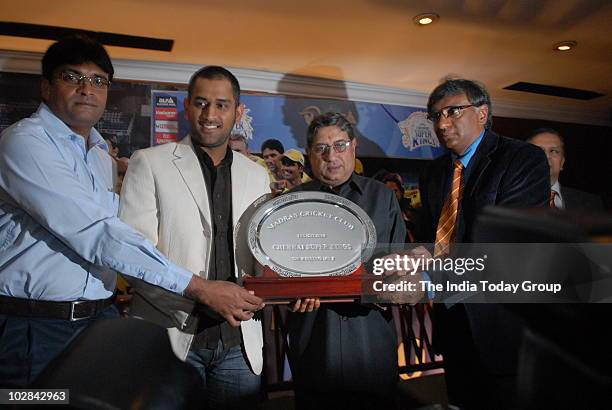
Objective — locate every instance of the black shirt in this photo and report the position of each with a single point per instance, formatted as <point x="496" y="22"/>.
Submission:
<point x="218" y="180"/>
<point x="349" y="346"/>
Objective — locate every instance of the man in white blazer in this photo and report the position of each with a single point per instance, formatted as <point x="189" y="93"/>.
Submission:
<point x="187" y="197"/>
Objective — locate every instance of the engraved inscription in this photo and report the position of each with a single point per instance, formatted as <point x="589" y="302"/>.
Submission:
<point x="305" y="214"/>
<point x="312" y="247"/>
<point x="313" y="258"/>
<point x="311" y="233"/>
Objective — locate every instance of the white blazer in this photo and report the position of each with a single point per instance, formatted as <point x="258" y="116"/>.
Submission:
<point x="165" y="198"/>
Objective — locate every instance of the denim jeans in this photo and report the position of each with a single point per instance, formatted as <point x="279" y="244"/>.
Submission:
<point x="27" y="345"/>
<point x="228" y="381"/>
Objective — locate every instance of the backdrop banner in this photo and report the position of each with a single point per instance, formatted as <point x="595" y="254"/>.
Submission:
<point x="383" y="130"/>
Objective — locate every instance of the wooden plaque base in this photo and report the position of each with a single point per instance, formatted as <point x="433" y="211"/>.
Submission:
<point x="274" y="289"/>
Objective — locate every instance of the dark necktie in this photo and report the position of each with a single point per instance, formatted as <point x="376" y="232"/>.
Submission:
<point x="551" y="200"/>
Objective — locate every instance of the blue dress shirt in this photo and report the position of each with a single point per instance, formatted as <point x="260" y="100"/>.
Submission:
<point x="60" y="238"/>
<point x="469" y="152"/>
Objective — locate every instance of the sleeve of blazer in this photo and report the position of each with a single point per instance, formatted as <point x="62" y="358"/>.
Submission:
<point x="266" y="181"/>
<point x="526" y="182"/>
<point x="138" y="204"/>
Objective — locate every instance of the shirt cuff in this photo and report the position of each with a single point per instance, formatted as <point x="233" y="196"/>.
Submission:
<point x="182" y="278"/>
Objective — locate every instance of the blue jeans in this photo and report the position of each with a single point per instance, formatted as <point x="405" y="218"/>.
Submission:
<point x="228" y="381"/>
<point x="27" y="345"/>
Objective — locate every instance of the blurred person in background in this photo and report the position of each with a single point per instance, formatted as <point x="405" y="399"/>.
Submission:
<point x="292" y="171"/>
<point x="561" y="197"/>
<point x="271" y="151"/>
<point x="239" y="143"/>
<point x="394" y="181"/>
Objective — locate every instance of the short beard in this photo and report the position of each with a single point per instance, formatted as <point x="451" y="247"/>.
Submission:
<point x="200" y="141"/>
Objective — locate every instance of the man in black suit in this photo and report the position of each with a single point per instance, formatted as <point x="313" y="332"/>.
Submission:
<point x="479" y="342"/>
<point x="551" y="141"/>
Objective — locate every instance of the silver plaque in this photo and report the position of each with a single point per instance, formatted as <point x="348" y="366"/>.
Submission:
<point x="311" y="234"/>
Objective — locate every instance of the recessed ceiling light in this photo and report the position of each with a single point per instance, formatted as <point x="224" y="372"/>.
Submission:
<point x="565" y="45"/>
<point x="425" y="19"/>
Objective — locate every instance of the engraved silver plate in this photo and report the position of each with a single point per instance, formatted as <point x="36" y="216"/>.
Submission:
<point x="311" y="234"/>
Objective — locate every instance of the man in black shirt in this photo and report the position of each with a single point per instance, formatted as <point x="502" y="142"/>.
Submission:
<point x="187" y="198"/>
<point x="344" y="355"/>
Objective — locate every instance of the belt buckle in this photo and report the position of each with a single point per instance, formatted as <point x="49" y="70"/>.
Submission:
<point x="72" y="305"/>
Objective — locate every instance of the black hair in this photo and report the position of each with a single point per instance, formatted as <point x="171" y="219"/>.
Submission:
<point x="542" y="130"/>
<point x="76" y="50"/>
<point x="273" y="144"/>
<point x="476" y="94"/>
<point x="396" y="179"/>
<point x="328" y="119"/>
<point x="215" y="72"/>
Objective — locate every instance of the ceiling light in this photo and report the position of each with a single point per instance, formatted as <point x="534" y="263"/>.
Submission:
<point x="565" y="45"/>
<point x="425" y="19"/>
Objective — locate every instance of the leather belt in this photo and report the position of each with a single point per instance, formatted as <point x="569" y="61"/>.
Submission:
<point x="72" y="311"/>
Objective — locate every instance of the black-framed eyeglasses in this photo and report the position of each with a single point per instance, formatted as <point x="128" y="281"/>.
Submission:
<point x="77" y="79"/>
<point x="339" y="146"/>
<point x="452" y="111"/>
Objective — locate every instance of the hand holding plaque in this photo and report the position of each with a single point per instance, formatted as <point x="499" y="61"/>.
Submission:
<point x="309" y="244"/>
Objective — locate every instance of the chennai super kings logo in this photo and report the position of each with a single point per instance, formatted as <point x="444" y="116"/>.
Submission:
<point x="417" y="131"/>
<point x="245" y="126"/>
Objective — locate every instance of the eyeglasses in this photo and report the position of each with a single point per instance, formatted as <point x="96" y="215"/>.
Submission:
<point x="339" y="146"/>
<point x="77" y="79"/>
<point x="453" y="111"/>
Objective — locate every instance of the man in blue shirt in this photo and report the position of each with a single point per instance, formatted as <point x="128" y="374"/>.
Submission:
<point x="60" y="239"/>
<point x="479" y="341"/>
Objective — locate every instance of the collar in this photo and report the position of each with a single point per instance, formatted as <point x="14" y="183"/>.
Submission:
<point x="203" y="155"/>
<point x="469" y="153"/>
<point x="96" y="140"/>
<point x="57" y="128"/>
<point x="556" y="187"/>
<point x="354" y="182"/>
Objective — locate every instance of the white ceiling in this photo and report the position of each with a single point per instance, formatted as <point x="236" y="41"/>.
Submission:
<point x="364" y="41"/>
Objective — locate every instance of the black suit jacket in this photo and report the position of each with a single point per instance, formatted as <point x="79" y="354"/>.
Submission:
<point x="503" y="172"/>
<point x="575" y="199"/>
<point x="480" y="341"/>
